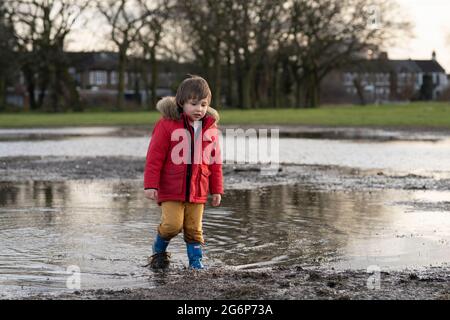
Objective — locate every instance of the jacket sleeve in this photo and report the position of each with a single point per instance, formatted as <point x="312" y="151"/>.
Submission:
<point x="156" y="155"/>
<point x="216" y="177"/>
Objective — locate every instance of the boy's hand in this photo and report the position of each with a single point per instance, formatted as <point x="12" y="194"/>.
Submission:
<point x="151" y="194"/>
<point x="216" y="198"/>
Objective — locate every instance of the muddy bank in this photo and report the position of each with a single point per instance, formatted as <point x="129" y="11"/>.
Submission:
<point x="322" y="132"/>
<point x="322" y="177"/>
<point x="378" y="134"/>
<point x="281" y="283"/>
<point x="35" y="134"/>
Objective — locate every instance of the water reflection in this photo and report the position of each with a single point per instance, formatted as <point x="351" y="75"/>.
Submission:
<point x="424" y="158"/>
<point x="105" y="228"/>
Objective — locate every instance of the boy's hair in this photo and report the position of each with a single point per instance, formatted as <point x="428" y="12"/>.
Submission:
<point x="194" y="87"/>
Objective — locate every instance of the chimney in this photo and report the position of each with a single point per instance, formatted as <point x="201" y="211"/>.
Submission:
<point x="433" y="55"/>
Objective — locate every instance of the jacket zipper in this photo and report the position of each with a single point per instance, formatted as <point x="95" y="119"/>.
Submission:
<point x="189" y="165"/>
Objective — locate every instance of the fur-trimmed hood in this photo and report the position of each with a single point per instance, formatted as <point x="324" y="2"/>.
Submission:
<point x="169" y="109"/>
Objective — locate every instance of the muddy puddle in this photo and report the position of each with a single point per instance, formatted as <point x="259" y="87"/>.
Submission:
<point x="415" y="157"/>
<point x="71" y="199"/>
<point x="105" y="229"/>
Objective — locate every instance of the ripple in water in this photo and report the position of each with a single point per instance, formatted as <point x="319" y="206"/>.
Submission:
<point x="106" y="229"/>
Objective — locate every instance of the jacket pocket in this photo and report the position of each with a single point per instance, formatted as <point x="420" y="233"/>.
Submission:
<point x="203" y="185"/>
<point x="172" y="180"/>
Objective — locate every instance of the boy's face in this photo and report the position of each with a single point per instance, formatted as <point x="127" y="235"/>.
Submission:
<point x="195" y="109"/>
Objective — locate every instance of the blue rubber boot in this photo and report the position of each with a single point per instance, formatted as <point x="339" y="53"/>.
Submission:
<point x="160" y="258"/>
<point x="194" y="252"/>
<point x="160" y="245"/>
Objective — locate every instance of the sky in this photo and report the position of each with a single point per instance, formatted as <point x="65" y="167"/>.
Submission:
<point x="432" y="31"/>
<point x="431" y="20"/>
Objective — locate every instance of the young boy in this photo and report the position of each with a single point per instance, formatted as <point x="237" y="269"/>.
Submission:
<point x="182" y="166"/>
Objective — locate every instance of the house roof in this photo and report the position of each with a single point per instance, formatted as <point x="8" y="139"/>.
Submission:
<point x="93" y="60"/>
<point x="429" y="66"/>
<point x="371" y="66"/>
<point x="404" y="66"/>
<point x="170" y="72"/>
<point x="397" y="66"/>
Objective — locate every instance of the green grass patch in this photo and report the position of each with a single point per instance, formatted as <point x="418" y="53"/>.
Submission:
<point x="433" y="115"/>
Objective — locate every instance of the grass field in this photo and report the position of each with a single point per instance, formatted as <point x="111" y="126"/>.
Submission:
<point x="432" y="115"/>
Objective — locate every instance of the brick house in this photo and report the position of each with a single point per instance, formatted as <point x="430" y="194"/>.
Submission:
<point x="96" y="78"/>
<point x="382" y="80"/>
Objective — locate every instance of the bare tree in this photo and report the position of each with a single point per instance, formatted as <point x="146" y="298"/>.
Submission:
<point x="149" y="41"/>
<point x="126" y="18"/>
<point x="40" y="29"/>
<point x="328" y="34"/>
<point x="7" y="55"/>
<point x="207" y="24"/>
<point x="237" y="35"/>
<point x="271" y="48"/>
<point x="255" y="25"/>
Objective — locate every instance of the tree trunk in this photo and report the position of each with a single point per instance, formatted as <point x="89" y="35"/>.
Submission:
<point x="312" y="96"/>
<point x="137" y="86"/>
<point x="298" y="93"/>
<point x="44" y="78"/>
<point x="239" y="74"/>
<point x="70" y="91"/>
<point x="360" y="91"/>
<point x="54" y="92"/>
<point x="312" y="93"/>
<point x="217" y="78"/>
<point x="230" y="83"/>
<point x="145" y="78"/>
<point x="31" y="85"/>
<point x="240" y="85"/>
<point x="42" y="91"/>
<point x="147" y="87"/>
<point x="154" y="67"/>
<point x="246" y="88"/>
<point x="121" y="84"/>
<point x="2" y="93"/>
<point x="275" y="87"/>
<point x="261" y="87"/>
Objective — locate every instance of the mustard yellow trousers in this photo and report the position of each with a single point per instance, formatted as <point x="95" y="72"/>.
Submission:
<point x="180" y="216"/>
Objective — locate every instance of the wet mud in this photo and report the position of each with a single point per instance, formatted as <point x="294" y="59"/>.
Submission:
<point x="326" y="191"/>
<point x="285" y="131"/>
<point x="287" y="283"/>
<point x="321" y="177"/>
<point x="315" y="281"/>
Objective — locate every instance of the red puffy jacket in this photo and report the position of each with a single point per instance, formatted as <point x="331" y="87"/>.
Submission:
<point x="191" y="180"/>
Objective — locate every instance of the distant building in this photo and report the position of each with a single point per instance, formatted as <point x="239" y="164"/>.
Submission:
<point x="96" y="78"/>
<point x="365" y="81"/>
<point x="383" y="80"/>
